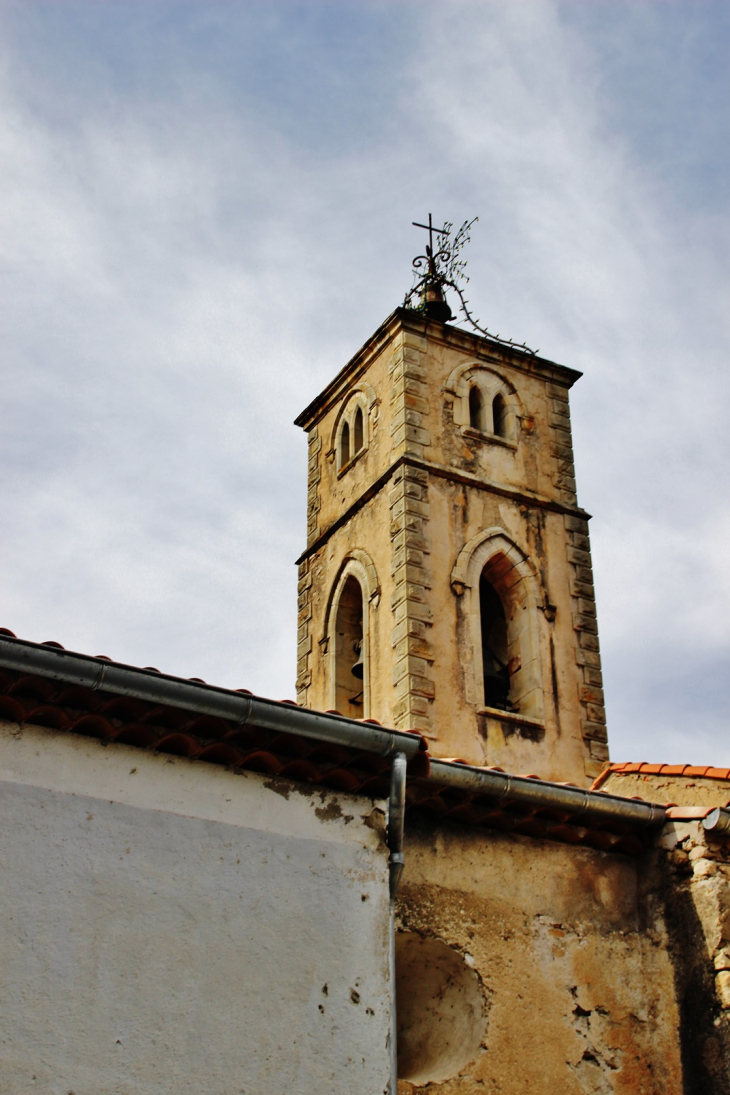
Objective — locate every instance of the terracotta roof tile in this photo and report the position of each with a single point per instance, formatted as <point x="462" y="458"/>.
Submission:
<point x="689" y="813"/>
<point x="642" y="768"/>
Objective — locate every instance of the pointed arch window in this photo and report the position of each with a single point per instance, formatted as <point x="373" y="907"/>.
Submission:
<point x="354" y="596"/>
<point x="495" y="646"/>
<point x="501" y="605"/>
<point x="350" y="663"/>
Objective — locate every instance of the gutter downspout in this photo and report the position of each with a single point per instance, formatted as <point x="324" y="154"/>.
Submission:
<point x="718" y="821"/>
<point x="238" y="707"/>
<point x="396" y="861"/>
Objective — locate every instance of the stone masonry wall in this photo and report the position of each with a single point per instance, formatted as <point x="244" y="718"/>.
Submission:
<point x="304" y="637"/>
<point x="696" y="897"/>
<point x="412" y="613"/>
<point x="588" y="657"/>
<point x="304" y="587"/>
<point x="409" y="515"/>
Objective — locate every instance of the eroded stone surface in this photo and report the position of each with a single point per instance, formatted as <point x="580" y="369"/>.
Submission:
<point x="572" y="955"/>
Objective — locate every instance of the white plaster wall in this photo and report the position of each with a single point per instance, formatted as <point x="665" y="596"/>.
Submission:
<point x="168" y="927"/>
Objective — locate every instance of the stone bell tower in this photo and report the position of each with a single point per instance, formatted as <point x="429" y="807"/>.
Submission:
<point x="446" y="586"/>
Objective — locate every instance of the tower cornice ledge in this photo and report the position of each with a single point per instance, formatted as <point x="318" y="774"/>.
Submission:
<point x="476" y="345"/>
<point x="443" y="472"/>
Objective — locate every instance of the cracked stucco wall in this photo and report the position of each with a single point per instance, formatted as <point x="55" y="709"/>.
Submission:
<point x="167" y="926"/>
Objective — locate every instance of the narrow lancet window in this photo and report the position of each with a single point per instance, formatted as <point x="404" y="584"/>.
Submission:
<point x="357" y="431"/>
<point x="499" y="415"/>
<point x="476" y="408"/>
<point x="345" y="445"/>
<point x="349" y="651"/>
<point x="494" y="646"/>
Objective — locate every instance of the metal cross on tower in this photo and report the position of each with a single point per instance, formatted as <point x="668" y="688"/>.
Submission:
<point x="429" y="249"/>
<point x="442" y="267"/>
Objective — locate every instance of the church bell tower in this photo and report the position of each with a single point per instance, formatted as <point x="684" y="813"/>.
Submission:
<point x="446" y="586"/>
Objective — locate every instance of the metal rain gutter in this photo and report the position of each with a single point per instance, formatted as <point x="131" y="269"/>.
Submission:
<point x="540" y="794"/>
<point x="238" y="707"/>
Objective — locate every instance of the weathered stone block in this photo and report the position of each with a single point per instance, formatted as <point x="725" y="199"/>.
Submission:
<point x="583" y="589"/>
<point x="594" y="731"/>
<point x="581" y="622"/>
<point x="576" y="555"/>
<point x="599" y="750"/>
<point x="591" y="695"/>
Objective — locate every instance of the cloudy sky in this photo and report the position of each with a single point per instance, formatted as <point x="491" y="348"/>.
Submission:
<point x="206" y="208"/>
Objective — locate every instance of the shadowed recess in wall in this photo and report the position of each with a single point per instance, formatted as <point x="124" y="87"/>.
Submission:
<point x="441" y="1010"/>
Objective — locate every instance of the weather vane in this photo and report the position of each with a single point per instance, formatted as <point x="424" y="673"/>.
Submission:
<point x="443" y="266"/>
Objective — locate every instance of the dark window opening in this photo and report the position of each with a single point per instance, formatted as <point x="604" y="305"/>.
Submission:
<point x="349" y="651"/>
<point x="499" y="414"/>
<point x="344" y="445"/>
<point x="357" y="431"/>
<point x="494" y="646"/>
<point x="476" y="409"/>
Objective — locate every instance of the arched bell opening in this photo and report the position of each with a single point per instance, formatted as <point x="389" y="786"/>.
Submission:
<point x="476" y="408"/>
<point x="357" y="431"/>
<point x="344" y="445"/>
<point x="495" y="645"/>
<point x="502" y="595"/>
<point x="499" y="415"/>
<point x="350" y="652"/>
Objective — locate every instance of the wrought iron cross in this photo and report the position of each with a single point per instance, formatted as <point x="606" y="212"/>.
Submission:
<point x="430" y="229"/>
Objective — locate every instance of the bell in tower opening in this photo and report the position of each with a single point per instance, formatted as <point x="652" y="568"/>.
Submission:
<point x="349" y="652"/>
<point x="494" y="646"/>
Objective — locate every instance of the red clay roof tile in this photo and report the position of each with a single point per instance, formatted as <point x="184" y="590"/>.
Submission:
<point x="688" y="813"/>
<point x="642" y="768"/>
